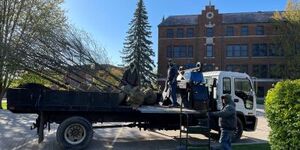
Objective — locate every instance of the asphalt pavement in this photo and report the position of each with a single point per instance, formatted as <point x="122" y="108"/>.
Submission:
<point x="15" y="134"/>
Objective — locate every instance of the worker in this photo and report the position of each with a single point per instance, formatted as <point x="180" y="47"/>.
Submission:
<point x="171" y="82"/>
<point x="199" y="66"/>
<point x="227" y="121"/>
<point x="197" y="75"/>
<point x="131" y="76"/>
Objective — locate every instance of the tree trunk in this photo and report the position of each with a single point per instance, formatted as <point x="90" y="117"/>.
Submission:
<point x="2" y="93"/>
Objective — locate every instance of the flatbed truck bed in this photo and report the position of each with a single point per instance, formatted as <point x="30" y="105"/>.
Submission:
<point x="76" y="112"/>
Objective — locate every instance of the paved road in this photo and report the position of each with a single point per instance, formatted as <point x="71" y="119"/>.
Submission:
<point x="16" y="135"/>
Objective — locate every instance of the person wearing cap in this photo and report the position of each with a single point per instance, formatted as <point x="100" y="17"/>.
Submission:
<point x="172" y="83"/>
<point x="130" y="76"/>
<point x="227" y="121"/>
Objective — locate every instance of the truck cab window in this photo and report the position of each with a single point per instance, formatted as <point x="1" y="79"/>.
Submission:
<point x="226" y="86"/>
<point x="242" y="86"/>
<point x="242" y="89"/>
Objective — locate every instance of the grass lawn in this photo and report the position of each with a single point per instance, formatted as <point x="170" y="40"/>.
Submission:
<point x="261" y="146"/>
<point x="4" y="104"/>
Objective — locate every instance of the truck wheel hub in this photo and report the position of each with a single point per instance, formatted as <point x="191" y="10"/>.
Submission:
<point x="75" y="134"/>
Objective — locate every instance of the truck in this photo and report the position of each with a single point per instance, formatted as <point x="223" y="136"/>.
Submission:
<point x="78" y="112"/>
<point x="241" y="88"/>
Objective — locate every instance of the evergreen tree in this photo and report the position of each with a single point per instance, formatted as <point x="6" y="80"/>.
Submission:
<point x="138" y="47"/>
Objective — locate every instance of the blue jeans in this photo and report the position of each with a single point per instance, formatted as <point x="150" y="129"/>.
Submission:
<point x="225" y="139"/>
<point x="173" y="93"/>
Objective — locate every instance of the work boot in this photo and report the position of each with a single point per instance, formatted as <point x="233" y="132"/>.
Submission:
<point x="175" y="105"/>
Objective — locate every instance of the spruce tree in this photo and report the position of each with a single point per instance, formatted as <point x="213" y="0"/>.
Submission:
<point x="138" y="47"/>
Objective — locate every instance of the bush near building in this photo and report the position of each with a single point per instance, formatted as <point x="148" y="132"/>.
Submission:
<point x="283" y="114"/>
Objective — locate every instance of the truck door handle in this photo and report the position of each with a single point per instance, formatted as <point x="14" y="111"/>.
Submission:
<point x="236" y="100"/>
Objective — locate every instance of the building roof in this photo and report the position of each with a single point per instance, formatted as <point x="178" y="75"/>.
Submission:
<point x="228" y="18"/>
<point x="180" y="20"/>
<point x="247" y="17"/>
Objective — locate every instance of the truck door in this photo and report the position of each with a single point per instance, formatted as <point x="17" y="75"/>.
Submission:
<point x="243" y="94"/>
<point x="226" y="89"/>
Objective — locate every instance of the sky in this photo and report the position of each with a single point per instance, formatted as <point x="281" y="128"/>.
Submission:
<point x="107" y="21"/>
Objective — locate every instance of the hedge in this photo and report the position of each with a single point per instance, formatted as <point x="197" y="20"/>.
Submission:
<point x="283" y="114"/>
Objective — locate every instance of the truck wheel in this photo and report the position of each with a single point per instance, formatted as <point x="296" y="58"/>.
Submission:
<point x="238" y="132"/>
<point x="74" y="133"/>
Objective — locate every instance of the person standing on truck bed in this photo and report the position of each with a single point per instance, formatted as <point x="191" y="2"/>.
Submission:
<point x="227" y="121"/>
<point x="131" y="76"/>
<point x="172" y="83"/>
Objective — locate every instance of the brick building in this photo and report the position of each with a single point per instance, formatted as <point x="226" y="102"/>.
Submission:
<point x="242" y="42"/>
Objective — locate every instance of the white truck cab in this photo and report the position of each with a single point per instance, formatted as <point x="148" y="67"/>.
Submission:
<point x="241" y="89"/>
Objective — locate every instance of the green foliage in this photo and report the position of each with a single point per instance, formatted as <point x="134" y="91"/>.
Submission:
<point x="283" y="114"/>
<point x="137" y="46"/>
<point x="30" y="78"/>
<point x="3" y="104"/>
<point x="24" y="24"/>
<point x="287" y="25"/>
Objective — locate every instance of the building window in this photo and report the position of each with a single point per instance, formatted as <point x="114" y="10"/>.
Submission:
<point x="190" y="51"/>
<point x="190" y="32"/>
<point x="230" y="31"/>
<point x="180" y="33"/>
<point x="237" y="68"/>
<point x="209" y="32"/>
<point x="244" y="30"/>
<point x="169" y="52"/>
<point x="208" y="67"/>
<point x="237" y="50"/>
<point x="260" y="30"/>
<point x="275" y="50"/>
<point x="170" y="33"/>
<point x="276" y="71"/>
<point x="181" y="51"/>
<point x="260" y="91"/>
<point x="259" y="50"/>
<point x="209" y="51"/>
<point x="260" y="71"/>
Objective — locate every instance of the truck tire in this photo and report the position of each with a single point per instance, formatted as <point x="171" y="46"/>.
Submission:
<point x="74" y="133"/>
<point x="238" y="132"/>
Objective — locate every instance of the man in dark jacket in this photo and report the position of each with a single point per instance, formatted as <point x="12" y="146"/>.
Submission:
<point x="227" y="121"/>
<point x="131" y="76"/>
<point x="172" y="82"/>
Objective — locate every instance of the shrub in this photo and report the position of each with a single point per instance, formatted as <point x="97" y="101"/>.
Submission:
<point x="283" y="114"/>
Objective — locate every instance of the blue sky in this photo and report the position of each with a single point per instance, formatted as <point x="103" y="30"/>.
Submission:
<point x="107" y="20"/>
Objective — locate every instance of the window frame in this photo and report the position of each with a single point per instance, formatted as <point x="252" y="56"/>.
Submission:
<point x="170" y="33"/>
<point x="209" y="32"/>
<point x="169" y="51"/>
<point x="260" y="30"/>
<point x="180" y="33"/>
<point x="230" y="87"/>
<point x="244" y="32"/>
<point x="262" y="71"/>
<point x="246" y="80"/>
<point x="207" y="50"/>
<point x="237" y="50"/>
<point x="190" y="32"/>
<point x="260" y="48"/>
<point x="229" y="31"/>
